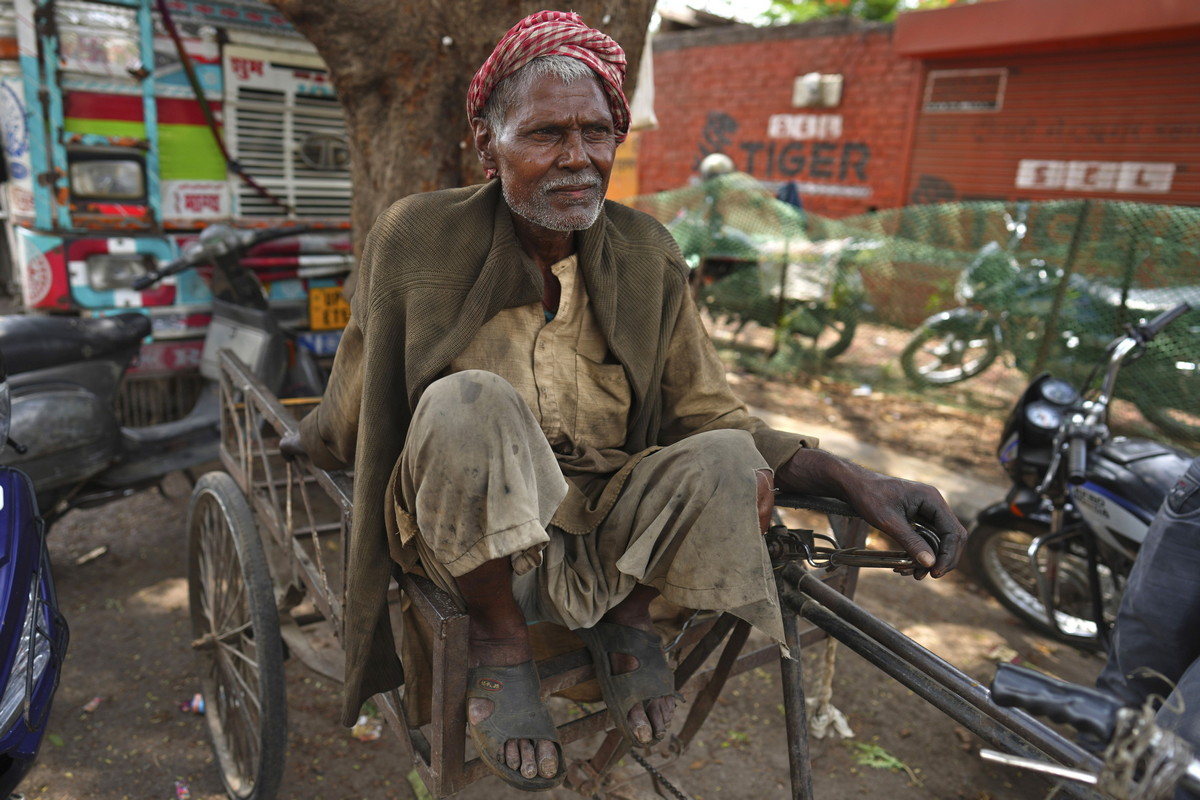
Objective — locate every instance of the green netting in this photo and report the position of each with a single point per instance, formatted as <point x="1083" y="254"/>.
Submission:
<point x="953" y="299"/>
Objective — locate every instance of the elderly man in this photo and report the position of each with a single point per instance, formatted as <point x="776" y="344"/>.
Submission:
<point x="539" y="423"/>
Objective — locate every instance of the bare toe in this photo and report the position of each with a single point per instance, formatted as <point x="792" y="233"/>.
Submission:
<point x="661" y="711"/>
<point x="547" y="758"/>
<point x="529" y="767"/>
<point x="512" y="755"/>
<point x="479" y="709"/>
<point x="639" y="723"/>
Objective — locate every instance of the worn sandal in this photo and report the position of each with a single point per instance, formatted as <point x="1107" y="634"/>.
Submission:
<point x="517" y="713"/>
<point x="652" y="678"/>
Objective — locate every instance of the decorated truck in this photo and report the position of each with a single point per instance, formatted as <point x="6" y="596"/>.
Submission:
<point x="131" y="125"/>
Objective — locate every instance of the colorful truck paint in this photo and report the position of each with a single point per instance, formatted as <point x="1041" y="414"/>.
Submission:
<point x="111" y="164"/>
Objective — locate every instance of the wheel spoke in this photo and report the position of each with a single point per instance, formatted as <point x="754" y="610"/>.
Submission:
<point x="229" y="634"/>
<point x="240" y="714"/>
<point x="237" y="652"/>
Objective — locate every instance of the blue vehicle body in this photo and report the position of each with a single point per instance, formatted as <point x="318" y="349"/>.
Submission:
<point x="33" y="634"/>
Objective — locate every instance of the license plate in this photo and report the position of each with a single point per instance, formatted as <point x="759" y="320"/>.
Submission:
<point x="327" y="309"/>
<point x="321" y="343"/>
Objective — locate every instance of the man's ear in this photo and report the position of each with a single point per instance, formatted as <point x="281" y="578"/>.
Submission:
<point x="482" y="136"/>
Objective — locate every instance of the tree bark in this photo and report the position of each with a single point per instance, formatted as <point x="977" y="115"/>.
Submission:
<point x="401" y="70"/>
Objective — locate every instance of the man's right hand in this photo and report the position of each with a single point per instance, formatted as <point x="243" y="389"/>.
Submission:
<point x="889" y="504"/>
<point x="291" y="447"/>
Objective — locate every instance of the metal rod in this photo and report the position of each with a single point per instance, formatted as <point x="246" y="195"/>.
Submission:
<point x="795" y="714"/>
<point x="1093" y="565"/>
<point x="1035" y="765"/>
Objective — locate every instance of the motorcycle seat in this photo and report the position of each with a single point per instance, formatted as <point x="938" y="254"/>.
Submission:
<point x="31" y="342"/>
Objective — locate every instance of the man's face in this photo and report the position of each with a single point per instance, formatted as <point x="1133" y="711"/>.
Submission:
<point x="554" y="153"/>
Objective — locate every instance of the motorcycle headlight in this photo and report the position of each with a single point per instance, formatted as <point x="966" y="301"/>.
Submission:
<point x="33" y="642"/>
<point x="106" y="271"/>
<point x="112" y="179"/>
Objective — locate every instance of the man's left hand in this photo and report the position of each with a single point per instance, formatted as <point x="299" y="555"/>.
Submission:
<point x="290" y="446"/>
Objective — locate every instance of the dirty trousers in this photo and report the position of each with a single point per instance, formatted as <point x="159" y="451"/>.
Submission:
<point x="1155" y="649"/>
<point x="483" y="483"/>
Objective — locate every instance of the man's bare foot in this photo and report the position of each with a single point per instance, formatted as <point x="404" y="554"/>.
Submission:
<point x="529" y="758"/>
<point x="651" y="720"/>
<point x="499" y="637"/>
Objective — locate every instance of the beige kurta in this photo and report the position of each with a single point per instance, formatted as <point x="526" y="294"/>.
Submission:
<point x="480" y="468"/>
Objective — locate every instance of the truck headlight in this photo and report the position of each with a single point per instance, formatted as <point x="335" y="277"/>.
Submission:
<point x="108" y="179"/>
<point x="106" y="271"/>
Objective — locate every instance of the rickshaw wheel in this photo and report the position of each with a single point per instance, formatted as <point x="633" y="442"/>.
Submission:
<point x="236" y="630"/>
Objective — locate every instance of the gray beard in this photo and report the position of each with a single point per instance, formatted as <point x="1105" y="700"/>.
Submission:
<point x="538" y="211"/>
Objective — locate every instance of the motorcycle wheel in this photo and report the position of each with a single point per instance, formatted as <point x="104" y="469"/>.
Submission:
<point x="827" y="332"/>
<point x="236" y="633"/>
<point x="935" y="357"/>
<point x="998" y="558"/>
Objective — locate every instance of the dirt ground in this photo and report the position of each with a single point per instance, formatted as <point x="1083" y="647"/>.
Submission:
<point x="117" y="731"/>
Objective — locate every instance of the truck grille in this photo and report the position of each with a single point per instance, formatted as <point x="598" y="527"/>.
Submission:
<point x="273" y="130"/>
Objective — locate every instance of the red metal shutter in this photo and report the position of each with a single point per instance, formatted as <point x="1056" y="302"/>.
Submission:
<point x="1115" y="123"/>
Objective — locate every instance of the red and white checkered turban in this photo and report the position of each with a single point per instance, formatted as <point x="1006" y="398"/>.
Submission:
<point x="554" y="33"/>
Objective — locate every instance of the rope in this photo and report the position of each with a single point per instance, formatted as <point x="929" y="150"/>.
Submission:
<point x="1142" y="761"/>
<point x="190" y="70"/>
<point x="822" y="713"/>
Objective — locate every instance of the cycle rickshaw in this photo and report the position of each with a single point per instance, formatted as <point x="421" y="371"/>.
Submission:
<point x="267" y="557"/>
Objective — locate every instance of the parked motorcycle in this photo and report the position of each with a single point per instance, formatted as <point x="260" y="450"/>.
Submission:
<point x="807" y="290"/>
<point x="33" y="634"/>
<point x="1057" y="550"/>
<point x="65" y="373"/>
<point x="1005" y="307"/>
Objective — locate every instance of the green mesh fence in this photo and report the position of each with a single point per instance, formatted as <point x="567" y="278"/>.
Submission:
<point x="960" y="302"/>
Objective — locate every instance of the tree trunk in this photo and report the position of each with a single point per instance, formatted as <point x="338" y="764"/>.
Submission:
<point x="401" y="70"/>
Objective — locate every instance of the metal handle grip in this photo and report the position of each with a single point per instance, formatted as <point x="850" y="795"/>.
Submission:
<point x="1087" y="710"/>
<point x="1077" y="461"/>
<point x="1155" y="326"/>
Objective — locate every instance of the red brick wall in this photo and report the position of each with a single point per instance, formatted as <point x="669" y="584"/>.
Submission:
<point x="716" y="90"/>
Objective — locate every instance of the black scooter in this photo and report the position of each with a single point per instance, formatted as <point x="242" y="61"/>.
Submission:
<point x="65" y="374"/>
